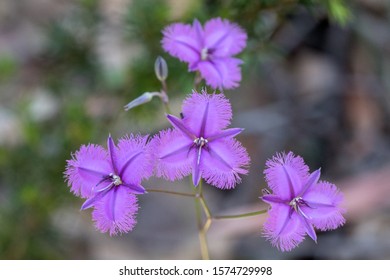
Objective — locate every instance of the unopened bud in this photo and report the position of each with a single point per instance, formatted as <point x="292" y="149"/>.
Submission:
<point x="142" y="99"/>
<point x="161" y="69"/>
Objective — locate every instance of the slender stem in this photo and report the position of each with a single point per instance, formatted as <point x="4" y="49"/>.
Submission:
<point x="197" y="80"/>
<point x="240" y="215"/>
<point x="164" y="97"/>
<point x="205" y="206"/>
<point x="166" y="108"/>
<point x="203" y="245"/>
<point x="204" y="250"/>
<point x="171" y="192"/>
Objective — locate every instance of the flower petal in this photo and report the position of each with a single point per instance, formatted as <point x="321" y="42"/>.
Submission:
<point x="178" y="124"/>
<point x="221" y="73"/>
<point x="112" y="151"/>
<point x="180" y="40"/>
<point x="173" y="154"/>
<point x="86" y="169"/>
<point x="231" y="132"/>
<point x="217" y="117"/>
<point x="116" y="211"/>
<point x="324" y="206"/>
<point x="306" y="223"/>
<point x="311" y="181"/>
<point x="270" y="198"/>
<point x="135" y="189"/>
<point x="223" y="161"/>
<point x="134" y="159"/>
<point x="283" y="228"/>
<point x="285" y="174"/>
<point x="196" y="172"/>
<point x="95" y="198"/>
<point x="223" y="37"/>
<point x="198" y="29"/>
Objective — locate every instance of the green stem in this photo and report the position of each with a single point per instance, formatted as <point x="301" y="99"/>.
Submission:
<point x="202" y="230"/>
<point x="165" y="98"/>
<point x="197" y="80"/>
<point x="166" y="108"/>
<point x="250" y="214"/>
<point x="205" y="206"/>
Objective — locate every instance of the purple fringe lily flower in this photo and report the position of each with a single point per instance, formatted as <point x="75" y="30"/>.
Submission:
<point x="110" y="180"/>
<point x="299" y="202"/>
<point x="200" y="144"/>
<point x="209" y="49"/>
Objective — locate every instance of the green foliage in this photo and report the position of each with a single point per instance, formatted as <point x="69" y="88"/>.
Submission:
<point x="339" y="11"/>
<point x="8" y="67"/>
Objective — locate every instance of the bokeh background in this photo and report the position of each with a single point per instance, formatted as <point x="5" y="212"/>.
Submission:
<point x="316" y="81"/>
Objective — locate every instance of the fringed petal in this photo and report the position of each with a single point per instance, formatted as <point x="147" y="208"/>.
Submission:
<point x="180" y="40"/>
<point x="285" y="174"/>
<point x="221" y="73"/>
<point x="324" y="206"/>
<point x="224" y="38"/>
<point x="283" y="227"/>
<point x="116" y="211"/>
<point x="223" y="161"/>
<point x="173" y="154"/>
<point x="213" y="112"/>
<point x="86" y="170"/>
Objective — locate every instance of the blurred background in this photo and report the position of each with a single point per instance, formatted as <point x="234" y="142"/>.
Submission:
<point x="316" y="81"/>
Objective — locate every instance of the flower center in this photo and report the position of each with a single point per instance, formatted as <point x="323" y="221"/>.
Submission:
<point x="115" y="179"/>
<point x="204" y="53"/>
<point x="200" y="142"/>
<point x="296" y="202"/>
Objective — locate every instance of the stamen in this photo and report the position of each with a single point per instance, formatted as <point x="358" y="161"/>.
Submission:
<point x="296" y="202"/>
<point x="204" y="54"/>
<point x="116" y="180"/>
<point x="200" y="142"/>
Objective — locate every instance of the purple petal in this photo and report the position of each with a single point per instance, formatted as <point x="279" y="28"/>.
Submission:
<point x="223" y="161"/>
<point x="228" y="133"/>
<point x="177" y="123"/>
<point x="221" y="73"/>
<point x="204" y="120"/>
<point x="219" y="113"/>
<point x="224" y="38"/>
<point x="196" y="173"/>
<point x="135" y="189"/>
<point x="324" y="206"/>
<point x="92" y="200"/>
<point x="308" y="226"/>
<point x="311" y="181"/>
<point x="112" y="153"/>
<point x="198" y="29"/>
<point x="115" y="212"/>
<point x="86" y="169"/>
<point x="134" y="159"/>
<point x="269" y="198"/>
<point x="181" y="41"/>
<point x="283" y="228"/>
<point x="285" y="174"/>
<point x="173" y="156"/>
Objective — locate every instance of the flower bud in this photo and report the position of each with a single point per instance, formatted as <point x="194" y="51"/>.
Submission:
<point x="161" y="68"/>
<point x="142" y="99"/>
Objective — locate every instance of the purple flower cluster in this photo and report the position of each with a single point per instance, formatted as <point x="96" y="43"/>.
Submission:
<point x="110" y="179"/>
<point x="299" y="202"/>
<point x="201" y="144"/>
<point x="209" y="49"/>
